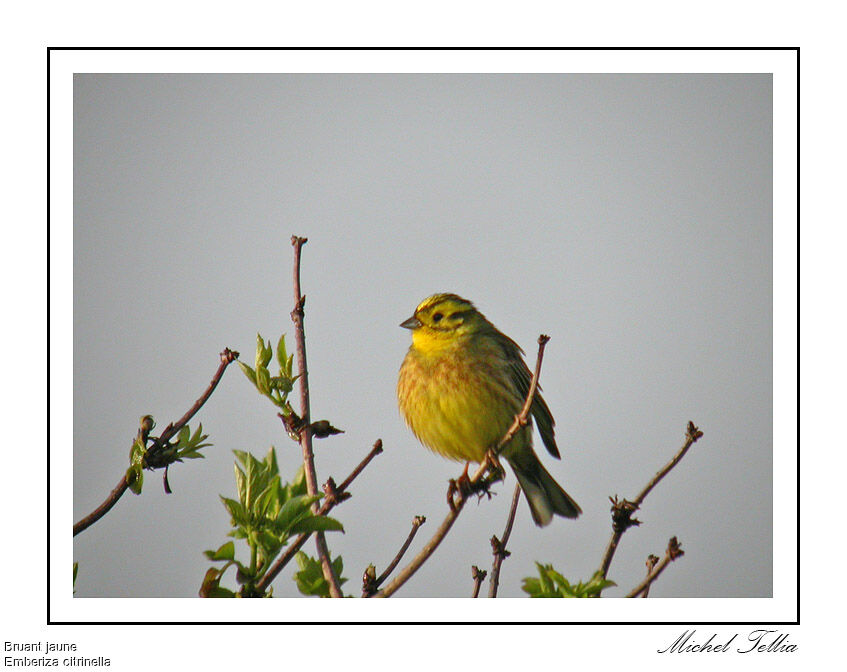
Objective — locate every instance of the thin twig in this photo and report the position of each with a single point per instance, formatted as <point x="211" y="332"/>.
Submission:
<point x="499" y="545"/>
<point x="478" y="577"/>
<point x="227" y="357"/>
<point x="651" y="564"/>
<point x="335" y="496"/>
<point x="692" y="433"/>
<point x="376" y="450"/>
<point x="476" y="482"/>
<point x="622" y="510"/>
<point x="407" y="572"/>
<point x="306" y="431"/>
<point x="672" y="553"/>
<point x="369" y="586"/>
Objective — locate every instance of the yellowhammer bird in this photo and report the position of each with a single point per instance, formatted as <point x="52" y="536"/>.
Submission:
<point x="461" y="385"/>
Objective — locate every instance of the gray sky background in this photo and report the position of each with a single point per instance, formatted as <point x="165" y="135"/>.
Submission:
<point x="627" y="216"/>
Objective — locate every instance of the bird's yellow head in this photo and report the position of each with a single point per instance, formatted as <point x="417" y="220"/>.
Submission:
<point x="441" y="319"/>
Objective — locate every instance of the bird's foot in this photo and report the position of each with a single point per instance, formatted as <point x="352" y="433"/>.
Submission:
<point x="460" y="488"/>
<point x="495" y="469"/>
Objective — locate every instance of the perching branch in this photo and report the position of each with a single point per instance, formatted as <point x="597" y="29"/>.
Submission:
<point x="522" y="418"/>
<point x="499" y="545"/>
<point x="334" y="496"/>
<point x="306" y="431"/>
<point x="622" y="510"/>
<point x="227" y="357"/>
<point x="370" y="584"/>
<point x="672" y="553"/>
<point x="488" y="473"/>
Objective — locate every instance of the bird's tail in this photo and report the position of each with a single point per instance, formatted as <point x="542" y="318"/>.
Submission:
<point x="544" y="496"/>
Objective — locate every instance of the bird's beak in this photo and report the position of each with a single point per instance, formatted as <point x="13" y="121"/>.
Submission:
<point x="412" y="323"/>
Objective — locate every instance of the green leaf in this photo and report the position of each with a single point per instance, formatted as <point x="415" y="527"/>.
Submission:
<point x="135" y="478"/>
<point x="137" y="452"/>
<point x="211" y="584"/>
<point x="255" y="476"/>
<point x="316" y="524"/>
<point x="248" y="371"/>
<point x="263" y="381"/>
<point x="266" y="353"/>
<point x="293" y="511"/>
<point x="551" y="583"/>
<point x="236" y="512"/>
<point x="190" y="455"/>
<point x="310" y="579"/>
<point x="271" y="463"/>
<point x="267" y="500"/>
<point x="597" y="584"/>
<point x="532" y="586"/>
<point x="270" y="545"/>
<point x="225" y="552"/>
<point x="546" y="583"/>
<point x="241" y="456"/>
<point x="198" y="437"/>
<point x="281" y="355"/>
<point x="298" y="484"/>
<point x="260" y="353"/>
<point x="218" y="591"/>
<point x="240" y="483"/>
<point x="281" y="386"/>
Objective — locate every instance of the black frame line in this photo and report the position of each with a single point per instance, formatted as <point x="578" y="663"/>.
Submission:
<point x="49" y="621"/>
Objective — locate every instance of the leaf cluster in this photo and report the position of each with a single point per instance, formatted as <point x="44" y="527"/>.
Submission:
<point x="266" y="514"/>
<point x="551" y="583"/>
<point x="276" y="388"/>
<point x="310" y="579"/>
<point x="185" y="446"/>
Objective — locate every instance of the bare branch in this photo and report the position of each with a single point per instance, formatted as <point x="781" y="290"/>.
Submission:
<point x="672" y="553"/>
<point x="479" y="483"/>
<point x="623" y="509"/>
<point x="692" y="433"/>
<point x="376" y="450"/>
<point x="103" y="509"/>
<point x="651" y="564"/>
<point x="334" y="496"/>
<point x="369" y="585"/>
<point x="227" y="357"/>
<point x="499" y="545"/>
<point x="306" y="431"/>
<point x="478" y="577"/>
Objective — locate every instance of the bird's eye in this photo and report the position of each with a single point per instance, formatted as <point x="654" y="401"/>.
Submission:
<point x="437" y="317"/>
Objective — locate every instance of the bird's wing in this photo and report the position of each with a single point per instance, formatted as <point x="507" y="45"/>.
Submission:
<point x="522" y="378"/>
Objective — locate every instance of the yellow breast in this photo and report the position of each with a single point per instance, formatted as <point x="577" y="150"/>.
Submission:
<point x="458" y="401"/>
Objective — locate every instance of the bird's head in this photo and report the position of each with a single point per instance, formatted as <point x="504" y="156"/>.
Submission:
<point x="441" y="319"/>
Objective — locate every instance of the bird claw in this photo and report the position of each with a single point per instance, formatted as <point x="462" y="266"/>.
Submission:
<point x="451" y="492"/>
<point x="494" y="466"/>
<point x="462" y="486"/>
